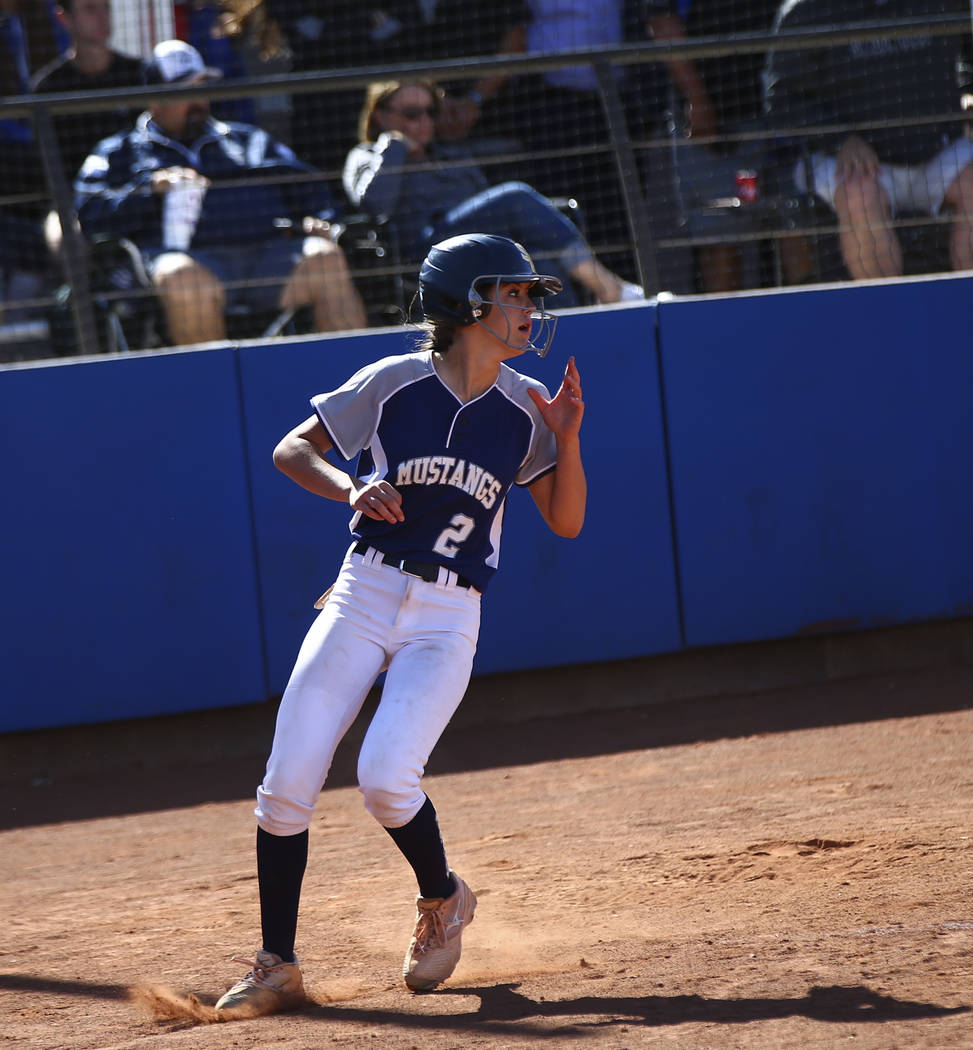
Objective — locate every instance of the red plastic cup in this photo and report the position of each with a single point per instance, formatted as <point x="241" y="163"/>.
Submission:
<point x="748" y="186"/>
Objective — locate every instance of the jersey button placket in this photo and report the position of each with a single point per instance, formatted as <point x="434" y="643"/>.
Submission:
<point x="461" y="428"/>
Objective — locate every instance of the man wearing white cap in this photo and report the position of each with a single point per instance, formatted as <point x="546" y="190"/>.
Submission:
<point x="204" y="201"/>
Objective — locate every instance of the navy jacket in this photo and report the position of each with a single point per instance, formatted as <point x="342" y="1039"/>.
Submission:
<point x="113" y="194"/>
<point x="380" y="179"/>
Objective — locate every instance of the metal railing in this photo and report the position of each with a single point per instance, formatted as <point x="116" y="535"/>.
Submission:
<point x="627" y="152"/>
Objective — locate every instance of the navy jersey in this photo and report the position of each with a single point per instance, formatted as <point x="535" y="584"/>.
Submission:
<point x="453" y="463"/>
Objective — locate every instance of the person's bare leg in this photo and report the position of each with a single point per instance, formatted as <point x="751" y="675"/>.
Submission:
<point x="721" y="267"/>
<point x="959" y="200"/>
<point x="193" y="298"/>
<point x="321" y="279"/>
<point x="796" y="258"/>
<point x="599" y="280"/>
<point x="869" y="245"/>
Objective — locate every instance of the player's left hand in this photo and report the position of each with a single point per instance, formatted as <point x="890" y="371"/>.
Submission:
<point x="564" y="412"/>
<point x="379" y="501"/>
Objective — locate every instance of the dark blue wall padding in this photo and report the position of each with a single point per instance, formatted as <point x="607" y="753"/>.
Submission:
<point x="607" y="595"/>
<point x="129" y="579"/>
<point x="611" y="593"/>
<point x="818" y="444"/>
<point x="821" y="449"/>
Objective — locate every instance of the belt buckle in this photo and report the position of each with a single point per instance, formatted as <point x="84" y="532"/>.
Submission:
<point x="416" y="576"/>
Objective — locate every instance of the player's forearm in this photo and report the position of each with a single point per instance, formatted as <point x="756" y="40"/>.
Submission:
<point x="569" y="492"/>
<point x="304" y="464"/>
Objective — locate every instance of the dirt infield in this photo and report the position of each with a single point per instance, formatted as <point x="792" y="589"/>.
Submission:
<point x="789" y="869"/>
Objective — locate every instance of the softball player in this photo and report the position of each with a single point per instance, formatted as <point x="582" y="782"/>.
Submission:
<point x="443" y="434"/>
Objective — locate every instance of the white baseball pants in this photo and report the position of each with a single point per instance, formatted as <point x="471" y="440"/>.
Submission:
<point x="375" y="618"/>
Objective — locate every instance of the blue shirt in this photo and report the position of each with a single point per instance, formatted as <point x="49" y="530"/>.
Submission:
<point x="452" y="463"/>
<point x="571" y="25"/>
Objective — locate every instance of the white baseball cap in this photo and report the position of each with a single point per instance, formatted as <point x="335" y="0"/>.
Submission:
<point x="174" y="61"/>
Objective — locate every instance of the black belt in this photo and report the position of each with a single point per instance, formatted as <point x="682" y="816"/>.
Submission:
<point x="424" y="570"/>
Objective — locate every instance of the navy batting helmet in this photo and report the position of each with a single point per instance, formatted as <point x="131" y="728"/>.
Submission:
<point x="455" y="267"/>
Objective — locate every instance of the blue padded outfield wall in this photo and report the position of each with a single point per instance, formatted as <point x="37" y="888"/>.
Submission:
<point x="821" y="448"/>
<point x="760" y="466"/>
<point x="128" y="582"/>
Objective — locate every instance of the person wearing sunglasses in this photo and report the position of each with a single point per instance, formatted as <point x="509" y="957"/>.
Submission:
<point x="433" y="190"/>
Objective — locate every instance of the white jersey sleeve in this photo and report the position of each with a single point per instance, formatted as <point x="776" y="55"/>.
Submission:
<point x="351" y="413"/>
<point x="542" y="451"/>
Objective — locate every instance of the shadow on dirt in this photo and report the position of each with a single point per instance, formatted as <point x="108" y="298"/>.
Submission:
<point x="836" y="1004"/>
<point x="218" y="756"/>
<point x="17" y="982"/>
<point x="503" y="1008"/>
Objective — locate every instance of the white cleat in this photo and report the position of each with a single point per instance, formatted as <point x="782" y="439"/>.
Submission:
<point x="270" y="987"/>
<point x="436" y="944"/>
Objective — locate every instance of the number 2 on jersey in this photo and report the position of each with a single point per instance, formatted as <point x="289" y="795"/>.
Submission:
<point x="460" y="526"/>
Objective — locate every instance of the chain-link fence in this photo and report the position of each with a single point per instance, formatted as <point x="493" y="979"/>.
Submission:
<point x="288" y="172"/>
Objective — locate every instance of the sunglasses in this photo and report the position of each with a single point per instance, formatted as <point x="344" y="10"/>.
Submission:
<point x="413" y="112"/>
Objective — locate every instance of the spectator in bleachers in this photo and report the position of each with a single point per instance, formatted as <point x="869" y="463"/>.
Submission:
<point x="207" y="32"/>
<point x="241" y="39"/>
<point x="713" y="99"/>
<point x="561" y="111"/>
<point x="330" y="35"/>
<point x="905" y="154"/>
<point x="90" y="64"/>
<point x="203" y="201"/>
<point x="454" y="29"/>
<point x="722" y="91"/>
<point x="340" y="34"/>
<point x="433" y="191"/>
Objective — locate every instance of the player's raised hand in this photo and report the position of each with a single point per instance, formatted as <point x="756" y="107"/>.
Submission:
<point x="564" y="412"/>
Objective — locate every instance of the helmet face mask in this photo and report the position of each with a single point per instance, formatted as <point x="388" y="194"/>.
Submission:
<point x="457" y="272"/>
<point x="484" y="298"/>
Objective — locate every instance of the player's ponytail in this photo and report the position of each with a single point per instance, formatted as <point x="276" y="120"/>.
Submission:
<point x="436" y="336"/>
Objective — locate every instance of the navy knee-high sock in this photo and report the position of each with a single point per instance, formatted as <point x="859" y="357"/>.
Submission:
<point x="422" y="846"/>
<point x="281" y="860"/>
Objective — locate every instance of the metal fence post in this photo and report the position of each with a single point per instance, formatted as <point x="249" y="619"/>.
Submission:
<point x="628" y="173"/>
<point x="75" y="253"/>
